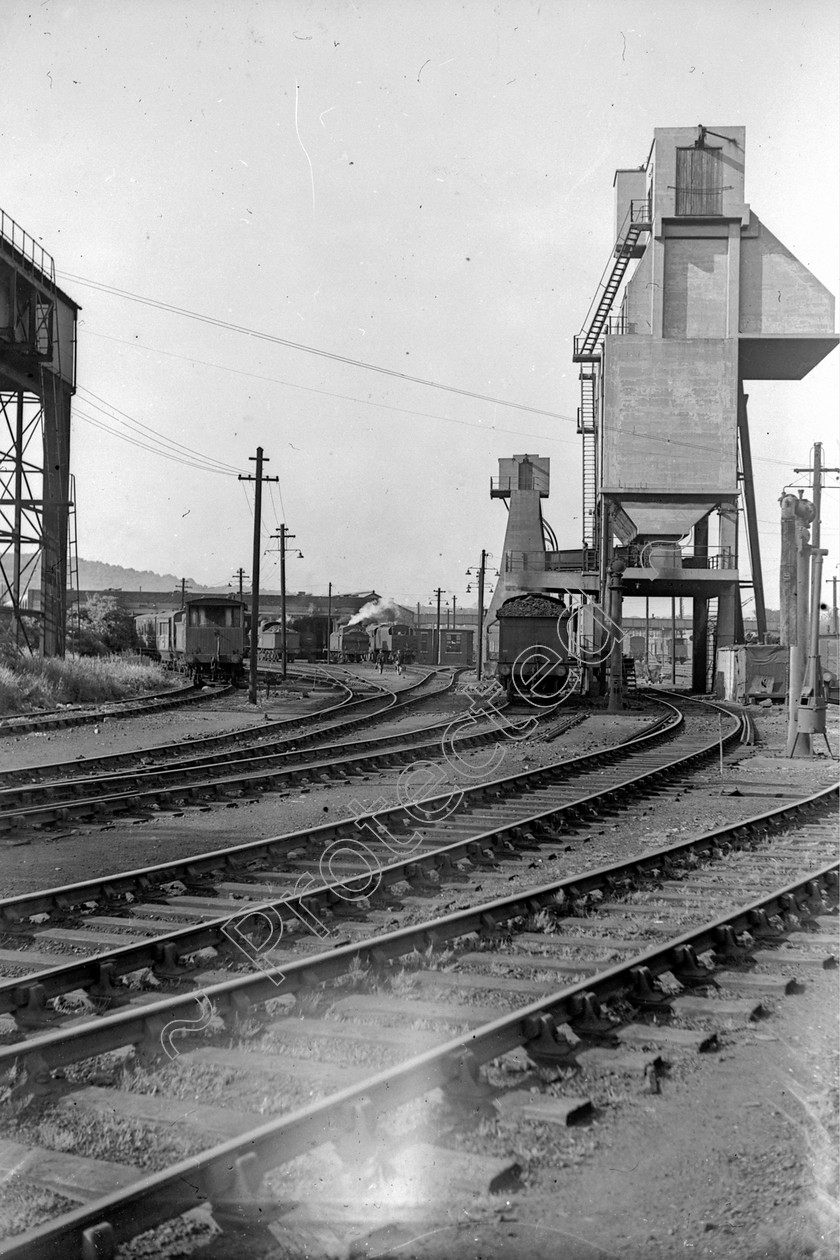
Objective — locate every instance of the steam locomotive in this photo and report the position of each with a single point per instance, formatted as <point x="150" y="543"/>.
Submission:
<point x="364" y="643"/>
<point x="349" y="643"/>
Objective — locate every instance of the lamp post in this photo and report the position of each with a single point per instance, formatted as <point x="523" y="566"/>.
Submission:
<point x="284" y="537"/>
<point x="436" y="650"/>
<point x="481" y="570"/>
<point x="329" y="621"/>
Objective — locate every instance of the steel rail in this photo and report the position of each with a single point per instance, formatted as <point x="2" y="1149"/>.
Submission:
<point x="28" y="995"/>
<point x="233" y="1171"/>
<point x="207" y="779"/>
<point x="15" y="910"/>
<point x="237" y="995"/>
<point x="290" y="746"/>
<point x="264" y="736"/>
<point x="254" y="771"/>
<point x="230" y="738"/>
<point x="130" y="706"/>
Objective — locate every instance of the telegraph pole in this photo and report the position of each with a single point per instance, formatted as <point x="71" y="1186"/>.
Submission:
<point x="257" y="479"/>
<point x="241" y="574"/>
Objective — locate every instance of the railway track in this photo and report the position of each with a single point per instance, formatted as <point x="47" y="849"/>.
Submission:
<point x="28" y="723"/>
<point x="133" y="706"/>
<point x="682" y="936"/>
<point x="162" y="916"/>
<point x="350" y="699"/>
<point x="45" y="794"/>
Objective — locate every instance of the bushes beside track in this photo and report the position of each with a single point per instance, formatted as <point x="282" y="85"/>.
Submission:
<point x="31" y="683"/>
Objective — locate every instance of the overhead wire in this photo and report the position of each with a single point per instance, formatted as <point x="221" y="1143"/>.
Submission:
<point x="122" y="417"/>
<point x="367" y="402"/>
<point x="97" y="423"/>
<point x="326" y="393"/>
<point x="297" y="345"/>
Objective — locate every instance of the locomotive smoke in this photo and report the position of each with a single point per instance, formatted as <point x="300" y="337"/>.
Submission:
<point x="385" y="609"/>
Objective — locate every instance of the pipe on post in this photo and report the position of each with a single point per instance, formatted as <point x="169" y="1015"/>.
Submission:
<point x="615" y="703"/>
<point x="795" y="618"/>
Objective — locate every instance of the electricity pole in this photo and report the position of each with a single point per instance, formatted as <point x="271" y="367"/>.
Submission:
<point x="241" y="574"/>
<point x="257" y="479"/>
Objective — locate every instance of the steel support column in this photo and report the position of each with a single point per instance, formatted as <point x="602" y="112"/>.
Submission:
<point x="751" y="514"/>
<point x="56" y="507"/>
<point x="730" y="626"/>
<point x="700" y="618"/>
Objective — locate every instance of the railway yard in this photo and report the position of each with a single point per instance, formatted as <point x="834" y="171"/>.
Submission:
<point x="390" y="968"/>
<point x="407" y="899"/>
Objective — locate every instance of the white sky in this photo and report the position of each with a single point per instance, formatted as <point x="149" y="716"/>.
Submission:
<point x="421" y="185"/>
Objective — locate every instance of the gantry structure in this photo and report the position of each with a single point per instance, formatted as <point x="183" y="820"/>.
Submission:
<point x="37" y="382"/>
<point x="698" y="298"/>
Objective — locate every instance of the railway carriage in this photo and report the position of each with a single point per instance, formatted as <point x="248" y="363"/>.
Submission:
<point x="206" y="636"/>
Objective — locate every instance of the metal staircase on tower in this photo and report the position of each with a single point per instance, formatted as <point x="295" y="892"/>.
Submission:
<point x="587" y="428"/>
<point x="75" y="601"/>
<point x="637" y="220"/>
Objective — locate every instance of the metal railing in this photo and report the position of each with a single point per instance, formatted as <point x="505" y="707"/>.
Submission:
<point x="641" y="212"/>
<point x="635" y="557"/>
<point x="504" y="485"/>
<point x="614" y="326"/>
<point x="653" y="556"/>
<point x="25" y="247"/>
<point x="551" y="561"/>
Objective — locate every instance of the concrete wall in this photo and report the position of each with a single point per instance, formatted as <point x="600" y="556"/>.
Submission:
<point x="630" y="185"/>
<point x="779" y="296"/>
<point x="696" y="287"/>
<point x="670" y="415"/>
<point x="637" y="297"/>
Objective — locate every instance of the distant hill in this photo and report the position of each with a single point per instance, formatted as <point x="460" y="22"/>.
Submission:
<point x="95" y="575"/>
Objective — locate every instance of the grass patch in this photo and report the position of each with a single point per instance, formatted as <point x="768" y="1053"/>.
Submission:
<point x="24" y="1206"/>
<point x="32" y="683"/>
